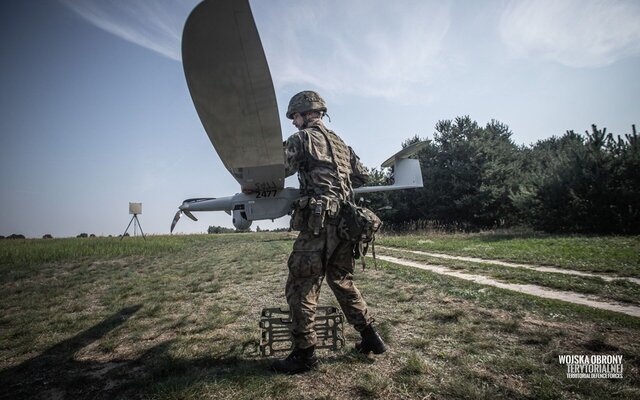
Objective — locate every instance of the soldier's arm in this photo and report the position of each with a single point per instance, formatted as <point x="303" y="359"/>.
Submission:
<point x="292" y="154"/>
<point x="359" y="175"/>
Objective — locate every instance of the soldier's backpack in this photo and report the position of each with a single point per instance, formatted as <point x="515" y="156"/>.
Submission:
<point x="359" y="225"/>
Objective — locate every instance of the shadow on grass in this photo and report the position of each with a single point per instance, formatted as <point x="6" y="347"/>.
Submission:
<point x="56" y="374"/>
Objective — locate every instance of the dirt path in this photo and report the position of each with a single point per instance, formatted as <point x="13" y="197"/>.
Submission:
<point x="607" y="278"/>
<point x="534" y="290"/>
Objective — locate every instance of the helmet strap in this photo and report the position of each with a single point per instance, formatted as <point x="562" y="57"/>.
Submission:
<point x="307" y="117"/>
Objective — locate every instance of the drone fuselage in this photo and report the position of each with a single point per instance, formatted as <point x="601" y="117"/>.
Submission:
<point x="247" y="207"/>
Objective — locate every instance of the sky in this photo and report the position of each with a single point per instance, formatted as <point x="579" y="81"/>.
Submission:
<point x="95" y="110"/>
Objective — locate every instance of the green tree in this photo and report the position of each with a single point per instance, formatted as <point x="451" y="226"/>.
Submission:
<point x="582" y="184"/>
<point x="219" y="229"/>
<point x="499" y="163"/>
<point x="476" y="177"/>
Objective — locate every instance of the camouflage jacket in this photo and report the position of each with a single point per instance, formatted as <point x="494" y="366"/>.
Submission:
<point x="326" y="166"/>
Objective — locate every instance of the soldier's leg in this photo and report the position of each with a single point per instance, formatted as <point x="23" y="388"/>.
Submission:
<point x="306" y="271"/>
<point x="339" y="273"/>
<point x="340" y="279"/>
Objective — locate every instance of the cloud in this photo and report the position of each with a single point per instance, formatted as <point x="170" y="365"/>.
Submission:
<point x="367" y="47"/>
<point x="153" y="24"/>
<point x="372" y="48"/>
<point x="575" y="33"/>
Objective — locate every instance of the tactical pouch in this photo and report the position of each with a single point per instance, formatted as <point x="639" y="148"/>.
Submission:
<point x="300" y="214"/>
<point x="321" y="209"/>
<point x="298" y="220"/>
<point x="357" y="224"/>
<point x="316" y="219"/>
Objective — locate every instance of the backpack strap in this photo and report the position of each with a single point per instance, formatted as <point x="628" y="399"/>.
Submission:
<point x="364" y="247"/>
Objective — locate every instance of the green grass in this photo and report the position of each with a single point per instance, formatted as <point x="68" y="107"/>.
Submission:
<point x="452" y="289"/>
<point x="178" y="319"/>
<point x="618" y="255"/>
<point x="37" y="251"/>
<point x="618" y="290"/>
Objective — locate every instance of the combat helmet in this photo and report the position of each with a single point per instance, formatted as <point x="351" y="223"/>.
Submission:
<point x="305" y="101"/>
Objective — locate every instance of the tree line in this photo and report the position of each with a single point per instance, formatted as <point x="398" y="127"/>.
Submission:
<point x="477" y="178"/>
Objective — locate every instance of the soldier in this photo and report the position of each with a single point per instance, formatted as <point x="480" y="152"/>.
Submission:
<point x="327" y="170"/>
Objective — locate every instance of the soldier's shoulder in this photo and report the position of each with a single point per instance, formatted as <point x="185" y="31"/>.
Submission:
<point x="341" y="140"/>
<point x="294" y="138"/>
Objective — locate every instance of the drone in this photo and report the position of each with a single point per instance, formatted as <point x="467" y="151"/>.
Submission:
<point x="229" y="81"/>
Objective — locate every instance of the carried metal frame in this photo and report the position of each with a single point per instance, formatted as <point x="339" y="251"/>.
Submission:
<point x="275" y="330"/>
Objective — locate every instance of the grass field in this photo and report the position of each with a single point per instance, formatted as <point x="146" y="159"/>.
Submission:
<point x="611" y="254"/>
<point x="177" y="318"/>
<point x="620" y="290"/>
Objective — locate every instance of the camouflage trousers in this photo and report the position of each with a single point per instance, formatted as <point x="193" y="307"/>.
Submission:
<point x="312" y="258"/>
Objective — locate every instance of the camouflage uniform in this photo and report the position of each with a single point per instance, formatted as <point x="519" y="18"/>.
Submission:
<point x="327" y="170"/>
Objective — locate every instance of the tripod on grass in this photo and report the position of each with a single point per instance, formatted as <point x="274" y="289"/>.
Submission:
<point x="135" y="221"/>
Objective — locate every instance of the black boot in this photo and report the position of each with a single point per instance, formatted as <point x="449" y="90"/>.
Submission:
<point x="300" y="360"/>
<point x="371" y="342"/>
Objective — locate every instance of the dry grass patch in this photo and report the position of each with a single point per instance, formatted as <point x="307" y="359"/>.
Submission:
<point x="185" y="325"/>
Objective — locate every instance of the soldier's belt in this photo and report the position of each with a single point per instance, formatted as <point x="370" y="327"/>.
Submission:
<point x="329" y="204"/>
<point x="275" y="330"/>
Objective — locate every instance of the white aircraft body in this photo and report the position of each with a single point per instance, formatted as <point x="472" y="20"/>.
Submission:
<point x="231" y="87"/>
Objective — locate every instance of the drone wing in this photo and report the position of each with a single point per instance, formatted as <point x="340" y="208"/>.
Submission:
<point x="232" y="90"/>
